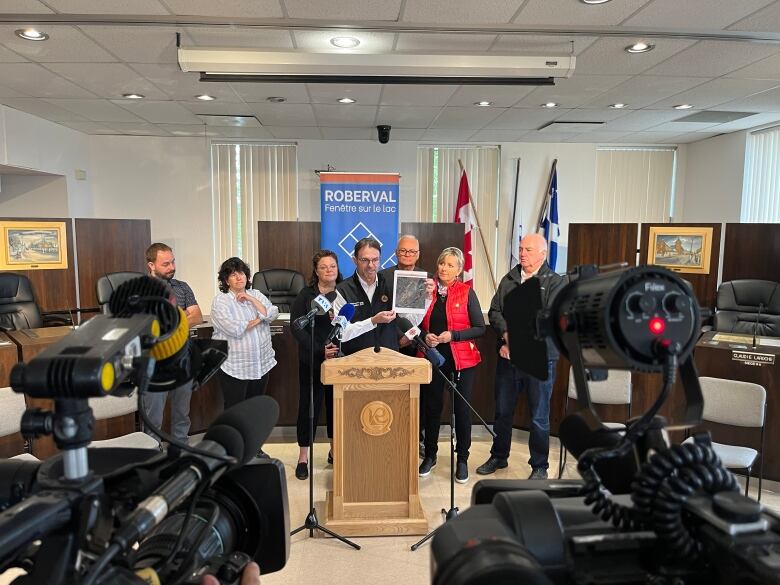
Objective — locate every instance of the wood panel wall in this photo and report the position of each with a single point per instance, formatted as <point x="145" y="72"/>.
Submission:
<point x="751" y="250"/>
<point x="54" y="290"/>
<point x="602" y="243"/>
<point x="433" y="237"/>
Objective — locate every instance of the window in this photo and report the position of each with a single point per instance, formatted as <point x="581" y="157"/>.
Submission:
<point x="250" y="182"/>
<point x="761" y="185"/>
<point x="438" y="179"/>
<point x="634" y="184"/>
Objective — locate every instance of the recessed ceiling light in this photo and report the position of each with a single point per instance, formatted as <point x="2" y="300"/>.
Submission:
<point x="617" y="106"/>
<point x="346" y="100"/>
<point x="133" y="96"/>
<point x="483" y="103"/>
<point x="640" y="48"/>
<point x="594" y="1"/>
<point x="344" y="42"/>
<point x="550" y="105"/>
<point x="204" y="97"/>
<point x="31" y="34"/>
<point x="275" y="99"/>
<point x="683" y="107"/>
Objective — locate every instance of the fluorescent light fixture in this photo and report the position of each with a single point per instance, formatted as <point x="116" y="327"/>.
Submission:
<point x="204" y="97"/>
<point x="274" y="99"/>
<point x="31" y="34"/>
<point x="594" y="1"/>
<point x="617" y="106"/>
<point x="133" y="96"/>
<point x="683" y="107"/>
<point x="346" y="100"/>
<point x="550" y="105"/>
<point x="483" y="104"/>
<point x="344" y="42"/>
<point x="640" y="48"/>
<point x="226" y="64"/>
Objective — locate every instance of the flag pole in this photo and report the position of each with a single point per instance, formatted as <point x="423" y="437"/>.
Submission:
<point x="479" y="228"/>
<point x="546" y="199"/>
<point x="512" y="243"/>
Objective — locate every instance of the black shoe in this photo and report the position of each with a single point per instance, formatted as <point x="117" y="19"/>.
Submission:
<point x="302" y="470"/>
<point x="491" y="465"/>
<point x="538" y="473"/>
<point x="427" y="466"/>
<point x="330" y="457"/>
<point x="461" y="471"/>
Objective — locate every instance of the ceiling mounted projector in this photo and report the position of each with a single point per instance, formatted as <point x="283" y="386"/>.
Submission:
<point x="225" y="64"/>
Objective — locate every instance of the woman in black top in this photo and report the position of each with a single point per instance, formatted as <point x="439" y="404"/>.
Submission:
<point x="325" y="276"/>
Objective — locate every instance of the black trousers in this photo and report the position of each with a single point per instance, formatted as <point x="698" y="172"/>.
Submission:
<point x="235" y="390"/>
<point x="434" y="399"/>
<point x="320" y="391"/>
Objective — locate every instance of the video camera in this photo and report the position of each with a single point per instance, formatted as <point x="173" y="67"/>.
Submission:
<point x="111" y="515"/>
<point x="645" y="511"/>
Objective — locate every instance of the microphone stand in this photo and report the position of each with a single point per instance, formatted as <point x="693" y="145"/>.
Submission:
<point x="311" y="523"/>
<point x="755" y="325"/>
<point x="453" y="511"/>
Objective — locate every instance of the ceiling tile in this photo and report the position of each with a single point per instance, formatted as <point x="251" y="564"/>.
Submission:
<point x="417" y="95"/>
<point x="159" y="112"/>
<point x="192" y="130"/>
<point x="65" y="44"/>
<point x="767" y="19"/>
<point x="239" y="132"/>
<point x="242" y="8"/>
<point x="526" y="118"/>
<point x="7" y="92"/>
<point x="23" y="7"/>
<point x="34" y="80"/>
<point x="694" y="137"/>
<point x="716" y="92"/>
<point x="652" y="137"/>
<point x="572" y="92"/>
<point x="90" y="127"/>
<point x="466" y="117"/>
<point x="548" y="136"/>
<point x="183" y="86"/>
<point x="609" y="54"/>
<point x="458" y="43"/>
<point x="599" y="136"/>
<point x="42" y="109"/>
<point x="713" y="58"/>
<point x="295" y="132"/>
<point x="345" y="116"/>
<point x="107" y="6"/>
<point x="486" y="11"/>
<point x="239" y="37"/>
<point x="704" y="14"/>
<point x="750" y="122"/>
<point x="97" y="110"/>
<point x="682" y="127"/>
<point x="329" y="93"/>
<point x="497" y="136"/>
<point x="109" y="80"/>
<point x="447" y="135"/>
<point x="239" y="121"/>
<point x="642" y="120"/>
<point x="294" y="93"/>
<point x="546" y="12"/>
<point x="766" y="101"/>
<point x="218" y="108"/>
<point x="344" y="9"/>
<point x="502" y="96"/>
<point x="284" y="114"/>
<point x="8" y="56"/>
<point x="768" y="68"/>
<point x="136" y="44"/>
<point x="591" y="115"/>
<point x="139" y="129"/>
<point x="543" y="45"/>
<point x="348" y="133"/>
<point x="408" y="116"/>
<point x="318" y="41"/>
<point x="644" y="90"/>
<point x="407" y="133"/>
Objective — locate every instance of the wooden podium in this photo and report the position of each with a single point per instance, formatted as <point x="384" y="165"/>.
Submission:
<point x="376" y="405"/>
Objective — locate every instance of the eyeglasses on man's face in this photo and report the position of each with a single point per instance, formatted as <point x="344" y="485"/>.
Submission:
<point x="405" y="252"/>
<point x="368" y="260"/>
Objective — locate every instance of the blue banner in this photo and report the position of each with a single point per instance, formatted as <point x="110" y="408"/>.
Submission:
<point x="355" y="206"/>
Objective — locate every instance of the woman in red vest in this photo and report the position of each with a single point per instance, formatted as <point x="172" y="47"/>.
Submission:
<point x="453" y="321"/>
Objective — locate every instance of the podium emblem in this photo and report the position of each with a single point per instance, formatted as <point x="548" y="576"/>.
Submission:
<point x="376" y="418"/>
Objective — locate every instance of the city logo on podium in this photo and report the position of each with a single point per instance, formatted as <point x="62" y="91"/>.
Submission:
<point x="376" y="418"/>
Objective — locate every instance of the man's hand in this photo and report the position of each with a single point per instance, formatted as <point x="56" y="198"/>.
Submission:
<point x="430" y="286"/>
<point x="504" y="352"/>
<point x="383" y="317"/>
<point x="250" y="576"/>
<point x="331" y="351"/>
<point x="431" y="340"/>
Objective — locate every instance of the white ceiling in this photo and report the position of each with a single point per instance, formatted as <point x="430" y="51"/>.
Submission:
<point x="100" y="49"/>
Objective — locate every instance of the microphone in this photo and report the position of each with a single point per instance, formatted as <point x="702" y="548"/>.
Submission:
<point x="412" y="333"/>
<point x="238" y="432"/>
<point x="755" y="325"/>
<point x="340" y="322"/>
<point x="319" y="306"/>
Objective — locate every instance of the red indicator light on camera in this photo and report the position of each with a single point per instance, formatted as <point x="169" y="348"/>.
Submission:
<point x="657" y="326"/>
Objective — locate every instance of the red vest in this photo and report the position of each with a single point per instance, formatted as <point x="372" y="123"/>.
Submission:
<point x="465" y="353"/>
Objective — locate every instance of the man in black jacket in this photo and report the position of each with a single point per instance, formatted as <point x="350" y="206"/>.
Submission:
<point x="509" y="380"/>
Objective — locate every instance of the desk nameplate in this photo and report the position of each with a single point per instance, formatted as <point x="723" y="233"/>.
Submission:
<point x="752" y="358"/>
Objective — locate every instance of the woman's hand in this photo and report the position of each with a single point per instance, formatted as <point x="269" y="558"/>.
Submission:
<point x="431" y="340"/>
<point x="244" y="297"/>
<point x="252" y="324"/>
<point x="331" y="351"/>
<point x="445" y="337"/>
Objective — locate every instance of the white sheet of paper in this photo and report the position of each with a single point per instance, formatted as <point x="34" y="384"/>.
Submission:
<point x="409" y="291"/>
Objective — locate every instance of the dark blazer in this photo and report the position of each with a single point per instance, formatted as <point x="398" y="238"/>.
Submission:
<point x="322" y="326"/>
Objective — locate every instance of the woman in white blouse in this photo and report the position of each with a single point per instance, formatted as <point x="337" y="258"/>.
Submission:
<point x="242" y="317"/>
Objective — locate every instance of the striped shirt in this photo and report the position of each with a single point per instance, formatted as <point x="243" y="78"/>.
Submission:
<point x="185" y="298"/>
<point x="250" y="353"/>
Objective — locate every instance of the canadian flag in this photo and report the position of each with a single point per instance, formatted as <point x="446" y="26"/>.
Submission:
<point x="465" y="214"/>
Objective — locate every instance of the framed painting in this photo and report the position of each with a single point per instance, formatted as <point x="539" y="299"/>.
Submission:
<point x="681" y="248"/>
<point x="33" y="245"/>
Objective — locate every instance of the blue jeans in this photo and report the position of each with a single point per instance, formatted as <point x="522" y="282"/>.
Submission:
<point x="510" y="382"/>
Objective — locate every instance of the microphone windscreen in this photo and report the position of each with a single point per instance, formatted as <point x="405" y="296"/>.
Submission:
<point x="403" y="324"/>
<point x="230" y="439"/>
<point x="331" y="296"/>
<point x="254" y="419"/>
<point x="347" y="311"/>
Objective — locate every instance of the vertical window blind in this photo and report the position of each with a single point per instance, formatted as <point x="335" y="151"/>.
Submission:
<point x="761" y="184"/>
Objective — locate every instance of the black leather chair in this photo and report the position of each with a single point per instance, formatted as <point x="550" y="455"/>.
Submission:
<point x="738" y="305"/>
<point x="280" y="285"/>
<point x="18" y="309"/>
<point x="108" y="283"/>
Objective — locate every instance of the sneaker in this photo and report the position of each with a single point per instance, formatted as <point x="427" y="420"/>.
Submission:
<point x="538" y="473"/>
<point x="491" y="465"/>
<point x="427" y="466"/>
<point x="302" y="470"/>
<point x="330" y="457"/>
<point x="461" y="471"/>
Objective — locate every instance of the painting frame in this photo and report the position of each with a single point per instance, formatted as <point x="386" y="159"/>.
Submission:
<point x="675" y="247"/>
<point x="33" y="245"/>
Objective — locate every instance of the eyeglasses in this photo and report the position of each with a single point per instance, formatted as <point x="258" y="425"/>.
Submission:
<point x="368" y="260"/>
<point x="404" y="252"/>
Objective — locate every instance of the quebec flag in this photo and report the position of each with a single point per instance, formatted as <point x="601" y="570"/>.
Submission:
<point x="550" y="223"/>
